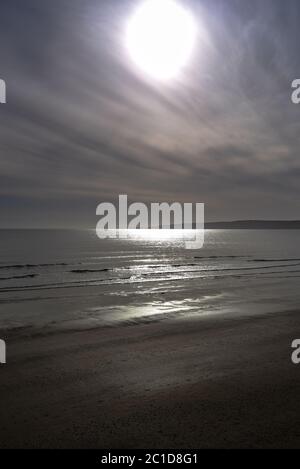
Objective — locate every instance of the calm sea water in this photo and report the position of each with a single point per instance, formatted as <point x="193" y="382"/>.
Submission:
<point x="71" y="279"/>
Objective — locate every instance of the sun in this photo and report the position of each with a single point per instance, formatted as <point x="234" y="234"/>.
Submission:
<point x="160" y="38"/>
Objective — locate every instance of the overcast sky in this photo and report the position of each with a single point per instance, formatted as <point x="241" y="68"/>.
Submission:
<point x="81" y="126"/>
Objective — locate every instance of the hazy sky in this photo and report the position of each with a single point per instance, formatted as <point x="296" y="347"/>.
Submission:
<point x="81" y="126"/>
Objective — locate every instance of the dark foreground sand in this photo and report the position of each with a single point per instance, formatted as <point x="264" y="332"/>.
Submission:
<point x="218" y="381"/>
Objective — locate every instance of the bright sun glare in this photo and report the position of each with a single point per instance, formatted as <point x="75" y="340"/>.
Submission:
<point x="160" y="38"/>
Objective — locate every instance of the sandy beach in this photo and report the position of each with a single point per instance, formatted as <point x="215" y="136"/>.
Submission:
<point x="217" y="381"/>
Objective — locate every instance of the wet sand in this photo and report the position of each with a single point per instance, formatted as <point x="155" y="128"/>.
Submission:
<point x="216" y="381"/>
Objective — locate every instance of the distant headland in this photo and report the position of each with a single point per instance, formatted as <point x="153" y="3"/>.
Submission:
<point x="254" y="225"/>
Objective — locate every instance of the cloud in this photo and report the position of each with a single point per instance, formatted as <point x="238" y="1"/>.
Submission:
<point x="80" y="126"/>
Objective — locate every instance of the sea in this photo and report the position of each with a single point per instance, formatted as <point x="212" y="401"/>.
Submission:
<point x="71" y="280"/>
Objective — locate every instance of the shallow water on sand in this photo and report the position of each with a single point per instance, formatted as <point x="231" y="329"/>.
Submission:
<point x="71" y="279"/>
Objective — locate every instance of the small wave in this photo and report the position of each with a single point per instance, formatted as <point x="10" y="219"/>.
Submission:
<point x="18" y="277"/>
<point x="87" y="271"/>
<point x="226" y="269"/>
<point x="219" y="257"/>
<point x="274" y="260"/>
<point x="30" y="266"/>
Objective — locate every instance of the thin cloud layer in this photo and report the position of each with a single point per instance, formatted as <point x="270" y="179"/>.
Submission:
<point x="81" y="126"/>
